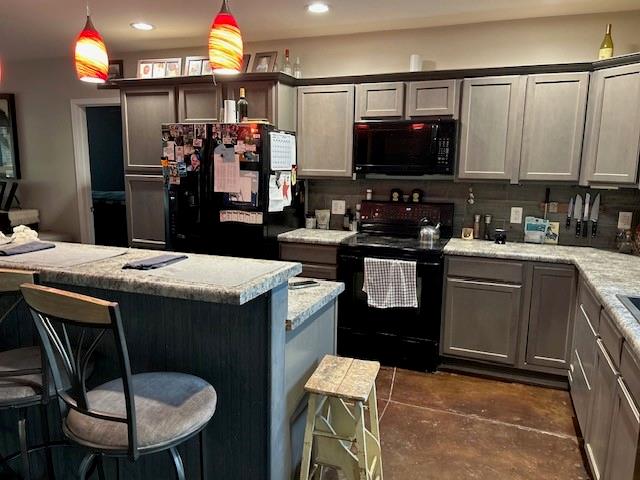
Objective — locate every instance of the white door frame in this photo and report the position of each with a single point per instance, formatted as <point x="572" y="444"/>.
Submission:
<point x="82" y="162"/>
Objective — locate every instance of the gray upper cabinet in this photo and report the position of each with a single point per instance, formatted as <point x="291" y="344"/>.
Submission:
<point x="143" y="110"/>
<point x="433" y="97"/>
<point x="481" y="320"/>
<point x="612" y="139"/>
<point x="145" y="210"/>
<point x="551" y="316"/>
<point x="491" y="128"/>
<point x="325" y="131"/>
<point x="199" y="103"/>
<point x="554" y="116"/>
<point x="379" y="101"/>
<point x="622" y="459"/>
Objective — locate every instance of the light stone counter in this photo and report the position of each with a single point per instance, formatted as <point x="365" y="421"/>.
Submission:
<point x="608" y="273"/>
<point x="315" y="236"/>
<point x="214" y="279"/>
<point x="304" y="302"/>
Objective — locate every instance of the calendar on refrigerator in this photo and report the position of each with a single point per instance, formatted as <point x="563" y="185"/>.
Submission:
<point x="283" y="150"/>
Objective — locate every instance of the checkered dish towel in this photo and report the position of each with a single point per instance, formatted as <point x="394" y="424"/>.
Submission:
<point x="390" y="283"/>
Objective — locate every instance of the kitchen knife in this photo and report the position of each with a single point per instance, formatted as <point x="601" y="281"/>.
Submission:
<point x="577" y="213"/>
<point x="595" y="213"/>
<point x="569" y="212"/>
<point x="585" y="216"/>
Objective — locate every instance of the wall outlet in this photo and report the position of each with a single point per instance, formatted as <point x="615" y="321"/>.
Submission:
<point x="516" y="215"/>
<point x="553" y="207"/>
<point x="624" y="220"/>
<point x="338" y="207"/>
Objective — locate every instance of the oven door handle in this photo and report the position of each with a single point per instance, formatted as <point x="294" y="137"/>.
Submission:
<point x="355" y="258"/>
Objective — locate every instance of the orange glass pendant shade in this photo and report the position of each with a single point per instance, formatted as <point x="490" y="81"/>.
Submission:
<point x="92" y="61"/>
<point x="225" y="43"/>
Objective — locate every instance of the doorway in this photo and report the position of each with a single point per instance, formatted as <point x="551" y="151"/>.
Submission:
<point x="104" y="134"/>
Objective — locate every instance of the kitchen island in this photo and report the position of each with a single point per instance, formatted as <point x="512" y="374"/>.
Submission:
<point x="224" y="319"/>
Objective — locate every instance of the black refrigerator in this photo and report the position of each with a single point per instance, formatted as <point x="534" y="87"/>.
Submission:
<point x="230" y="189"/>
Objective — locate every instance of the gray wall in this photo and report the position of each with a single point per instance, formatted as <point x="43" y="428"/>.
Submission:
<point x="493" y="198"/>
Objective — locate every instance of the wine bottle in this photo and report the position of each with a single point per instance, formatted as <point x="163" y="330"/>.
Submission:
<point x="297" y="68"/>
<point x="286" y="65"/>
<point x="606" y="47"/>
<point x="243" y="107"/>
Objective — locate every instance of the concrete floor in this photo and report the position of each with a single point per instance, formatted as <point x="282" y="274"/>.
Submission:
<point x="446" y="426"/>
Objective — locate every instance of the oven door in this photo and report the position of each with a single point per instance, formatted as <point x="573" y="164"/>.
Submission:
<point x="406" y="337"/>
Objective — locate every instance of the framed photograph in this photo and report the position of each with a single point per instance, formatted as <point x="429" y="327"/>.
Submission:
<point x="246" y="58"/>
<point x="159" y="67"/>
<point x="145" y="69"/>
<point x="116" y="69"/>
<point x="193" y="66"/>
<point x="173" y="68"/>
<point x="9" y="157"/>
<point x="206" y="67"/>
<point x="264" y="62"/>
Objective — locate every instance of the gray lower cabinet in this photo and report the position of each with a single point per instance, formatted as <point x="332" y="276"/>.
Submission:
<point x="551" y="315"/>
<point x="605" y="383"/>
<point x="380" y="101"/>
<point x="143" y="110"/>
<point x="491" y="128"/>
<point x="325" y="131"/>
<point x="612" y="137"/>
<point x="199" y="103"/>
<point x="318" y="261"/>
<point x="145" y="210"/>
<point x="481" y="320"/>
<point x="431" y="97"/>
<point x="622" y="458"/>
<point x="554" y="116"/>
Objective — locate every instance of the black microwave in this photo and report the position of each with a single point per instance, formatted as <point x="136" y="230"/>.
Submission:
<point x="405" y="147"/>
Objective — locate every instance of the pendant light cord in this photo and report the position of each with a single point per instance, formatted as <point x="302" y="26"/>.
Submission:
<point x="88" y="10"/>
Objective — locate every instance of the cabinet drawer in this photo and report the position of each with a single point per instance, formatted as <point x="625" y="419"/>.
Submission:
<point x="306" y="253"/>
<point x="611" y="337"/>
<point x="590" y="305"/>
<point x="501" y="270"/>
<point x="630" y="371"/>
<point x="325" y="272"/>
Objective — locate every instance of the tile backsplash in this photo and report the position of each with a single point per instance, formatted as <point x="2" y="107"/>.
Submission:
<point x="490" y="198"/>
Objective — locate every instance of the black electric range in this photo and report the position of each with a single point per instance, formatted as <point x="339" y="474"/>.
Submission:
<point x="401" y="337"/>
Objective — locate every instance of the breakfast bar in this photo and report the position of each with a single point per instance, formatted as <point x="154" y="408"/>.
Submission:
<point x="229" y="321"/>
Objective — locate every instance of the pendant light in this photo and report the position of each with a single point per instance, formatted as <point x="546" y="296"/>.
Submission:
<point x="225" y="43"/>
<point x="92" y="61"/>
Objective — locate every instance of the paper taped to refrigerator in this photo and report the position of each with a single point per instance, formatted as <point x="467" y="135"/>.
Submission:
<point x="279" y="191"/>
<point x="226" y="170"/>
<point x="283" y="150"/>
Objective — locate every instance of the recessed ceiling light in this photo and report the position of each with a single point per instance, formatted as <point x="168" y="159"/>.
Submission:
<point x="142" y="26"/>
<point x="318" y="7"/>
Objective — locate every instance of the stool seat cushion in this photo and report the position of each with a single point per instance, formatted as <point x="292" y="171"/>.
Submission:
<point x="22" y="389"/>
<point x="168" y="406"/>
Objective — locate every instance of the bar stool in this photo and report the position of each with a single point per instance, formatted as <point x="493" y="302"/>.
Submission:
<point x="22" y="383"/>
<point x="336" y="435"/>
<point x="127" y="417"/>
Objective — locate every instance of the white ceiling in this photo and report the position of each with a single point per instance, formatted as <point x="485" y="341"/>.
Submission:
<point x="46" y="28"/>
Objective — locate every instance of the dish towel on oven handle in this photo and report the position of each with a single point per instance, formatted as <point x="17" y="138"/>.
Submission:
<point x="390" y="283"/>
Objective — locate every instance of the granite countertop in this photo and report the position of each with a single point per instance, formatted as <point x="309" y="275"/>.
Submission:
<point x="608" y="273"/>
<point x="304" y="302"/>
<point x="201" y="277"/>
<point x="315" y="236"/>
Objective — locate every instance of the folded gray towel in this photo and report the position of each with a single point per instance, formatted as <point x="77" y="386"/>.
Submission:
<point x="155" y="262"/>
<point x="17" y="249"/>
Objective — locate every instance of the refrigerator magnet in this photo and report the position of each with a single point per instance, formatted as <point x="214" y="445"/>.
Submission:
<point x="182" y="169"/>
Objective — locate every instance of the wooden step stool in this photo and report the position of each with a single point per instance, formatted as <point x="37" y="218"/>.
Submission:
<point x="336" y="435"/>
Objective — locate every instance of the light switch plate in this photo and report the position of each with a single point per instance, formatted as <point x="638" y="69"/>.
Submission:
<point x="516" y="215"/>
<point x="624" y="220"/>
<point x="338" y="207"/>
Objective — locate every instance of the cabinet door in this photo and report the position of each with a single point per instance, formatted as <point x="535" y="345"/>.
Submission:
<point x="432" y="97"/>
<point x="622" y="459"/>
<point x="145" y="210"/>
<point x="491" y="128"/>
<point x="601" y="412"/>
<point x="551" y="316"/>
<point x="143" y="111"/>
<point x="481" y="320"/>
<point x="379" y="100"/>
<point x="259" y="95"/>
<point x="199" y="103"/>
<point x="325" y="131"/>
<point x="613" y="126"/>
<point x="554" y="116"/>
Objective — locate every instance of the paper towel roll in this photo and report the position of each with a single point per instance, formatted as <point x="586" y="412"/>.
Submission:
<point x="230" y="111"/>
<point x="415" y="63"/>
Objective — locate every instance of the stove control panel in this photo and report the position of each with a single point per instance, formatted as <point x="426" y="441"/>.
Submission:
<point x="406" y="213"/>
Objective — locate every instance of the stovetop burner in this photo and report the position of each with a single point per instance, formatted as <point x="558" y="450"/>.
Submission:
<point x="394" y="242"/>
